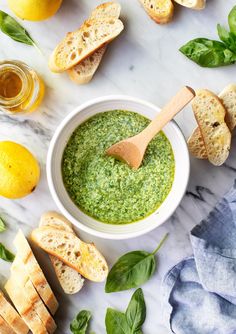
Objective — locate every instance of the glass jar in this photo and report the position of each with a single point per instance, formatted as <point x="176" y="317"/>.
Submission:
<point x="21" y="89"/>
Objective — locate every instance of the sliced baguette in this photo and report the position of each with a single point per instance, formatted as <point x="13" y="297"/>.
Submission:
<point x="196" y="144"/>
<point x="193" y="4"/>
<point x="210" y="115"/>
<point x="35" y="273"/>
<point x="78" y="45"/>
<point x="24" y="282"/>
<point x="9" y="314"/>
<point x="83" y="72"/>
<point x="161" y="11"/>
<point x="228" y="98"/>
<point x="84" y="258"/>
<point x="5" y="328"/>
<point x="70" y="280"/>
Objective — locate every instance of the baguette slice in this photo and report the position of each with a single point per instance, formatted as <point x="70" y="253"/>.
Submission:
<point x="35" y="273"/>
<point x="196" y="144"/>
<point x="193" y="4"/>
<point x="24" y="307"/>
<point x="70" y="280"/>
<point x="78" y="45"/>
<point x="228" y="98"/>
<point x="23" y="281"/>
<point x="84" y="258"/>
<point x="161" y="11"/>
<point x="5" y="328"/>
<point x="83" y="72"/>
<point x="210" y="115"/>
<point x="9" y="314"/>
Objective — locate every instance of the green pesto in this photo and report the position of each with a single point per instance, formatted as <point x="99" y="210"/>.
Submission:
<point x="107" y="189"/>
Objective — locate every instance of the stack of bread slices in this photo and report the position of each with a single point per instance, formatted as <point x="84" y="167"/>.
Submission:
<point x="81" y="51"/>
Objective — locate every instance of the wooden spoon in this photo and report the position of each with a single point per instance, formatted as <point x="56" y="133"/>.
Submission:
<point x="132" y="150"/>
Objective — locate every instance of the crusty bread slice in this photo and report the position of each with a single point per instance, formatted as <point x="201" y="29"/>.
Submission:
<point x="196" y="144"/>
<point x="107" y="9"/>
<point x="228" y="98"/>
<point x="24" y="307"/>
<point x="161" y="11"/>
<point x="9" y="314"/>
<point x="210" y="115"/>
<point x="23" y="281"/>
<point x="35" y="272"/>
<point x="84" y="258"/>
<point x="193" y="4"/>
<point x="70" y="280"/>
<point x="5" y="328"/>
<point x="81" y="43"/>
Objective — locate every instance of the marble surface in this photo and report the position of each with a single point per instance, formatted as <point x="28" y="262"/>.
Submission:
<point x="144" y="62"/>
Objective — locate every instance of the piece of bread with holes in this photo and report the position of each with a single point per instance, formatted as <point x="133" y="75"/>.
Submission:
<point x="83" y="257"/>
<point x="196" y="144"/>
<point x="23" y="281"/>
<point x="80" y="44"/>
<point x="70" y="280"/>
<point x="5" y="328"/>
<point x="24" y="307"/>
<point x="11" y="317"/>
<point x="228" y="98"/>
<point x="35" y="272"/>
<point x="161" y="11"/>
<point x="193" y="4"/>
<point x="210" y="116"/>
<point x="83" y="72"/>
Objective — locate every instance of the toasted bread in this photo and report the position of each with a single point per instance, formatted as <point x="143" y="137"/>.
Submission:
<point x="228" y="98"/>
<point x="84" y="258"/>
<point x="5" y="328"/>
<point x="80" y="44"/>
<point x="107" y="9"/>
<point x="193" y="4"/>
<point x="196" y="144"/>
<point x="161" y="11"/>
<point x="35" y="273"/>
<point x="24" y="307"/>
<point x="210" y="115"/>
<point x="71" y="281"/>
<point x="9" y="314"/>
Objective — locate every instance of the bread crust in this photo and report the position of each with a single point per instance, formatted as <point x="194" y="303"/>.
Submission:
<point x="161" y="11"/>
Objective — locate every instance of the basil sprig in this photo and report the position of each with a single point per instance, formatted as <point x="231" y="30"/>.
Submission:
<point x="5" y="254"/>
<point x="132" y="270"/>
<point x="212" y="53"/>
<point x="80" y="324"/>
<point x="129" y="322"/>
<point x="2" y="225"/>
<point x="14" y="30"/>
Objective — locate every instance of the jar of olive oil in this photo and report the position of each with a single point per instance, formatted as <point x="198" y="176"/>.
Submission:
<point x="21" y="89"/>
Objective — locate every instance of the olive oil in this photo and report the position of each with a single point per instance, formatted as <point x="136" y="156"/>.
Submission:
<point x="21" y="89"/>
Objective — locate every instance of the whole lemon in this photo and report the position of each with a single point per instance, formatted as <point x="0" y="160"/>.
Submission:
<point x="34" y="10"/>
<point x="19" y="170"/>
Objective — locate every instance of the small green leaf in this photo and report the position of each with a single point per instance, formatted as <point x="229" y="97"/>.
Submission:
<point x="5" y="254"/>
<point x="227" y="37"/>
<point x="2" y="225"/>
<point x="232" y="20"/>
<point x="80" y="324"/>
<point x="136" y="311"/>
<point x="14" y="30"/>
<point x="116" y="322"/>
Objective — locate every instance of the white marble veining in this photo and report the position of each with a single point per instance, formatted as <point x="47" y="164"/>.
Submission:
<point x="144" y="62"/>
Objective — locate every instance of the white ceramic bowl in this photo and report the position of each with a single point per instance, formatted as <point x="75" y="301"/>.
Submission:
<point x="66" y="205"/>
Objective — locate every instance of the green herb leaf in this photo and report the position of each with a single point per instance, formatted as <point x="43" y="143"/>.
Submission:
<point x="116" y="322"/>
<point x="232" y="20"/>
<point x="227" y="37"/>
<point x="132" y="270"/>
<point x="136" y="311"/>
<point x="2" y="225"/>
<point x="80" y="324"/>
<point x="208" y="53"/>
<point x="5" y="254"/>
<point x="14" y="30"/>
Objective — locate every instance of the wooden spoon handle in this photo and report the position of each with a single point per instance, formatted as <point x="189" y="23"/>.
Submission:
<point x="176" y="104"/>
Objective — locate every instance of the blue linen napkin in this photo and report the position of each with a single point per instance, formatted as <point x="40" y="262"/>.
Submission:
<point x="199" y="293"/>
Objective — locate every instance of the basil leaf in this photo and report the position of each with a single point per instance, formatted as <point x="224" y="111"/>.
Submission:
<point x="5" y="254"/>
<point x="232" y="20"/>
<point x="2" y="225"/>
<point x="136" y="311"/>
<point x="132" y="270"/>
<point x="227" y="37"/>
<point x="208" y="53"/>
<point x="116" y="322"/>
<point x="80" y="324"/>
<point x="14" y="30"/>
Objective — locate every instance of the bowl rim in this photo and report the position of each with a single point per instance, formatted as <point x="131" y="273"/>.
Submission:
<point x="65" y="212"/>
